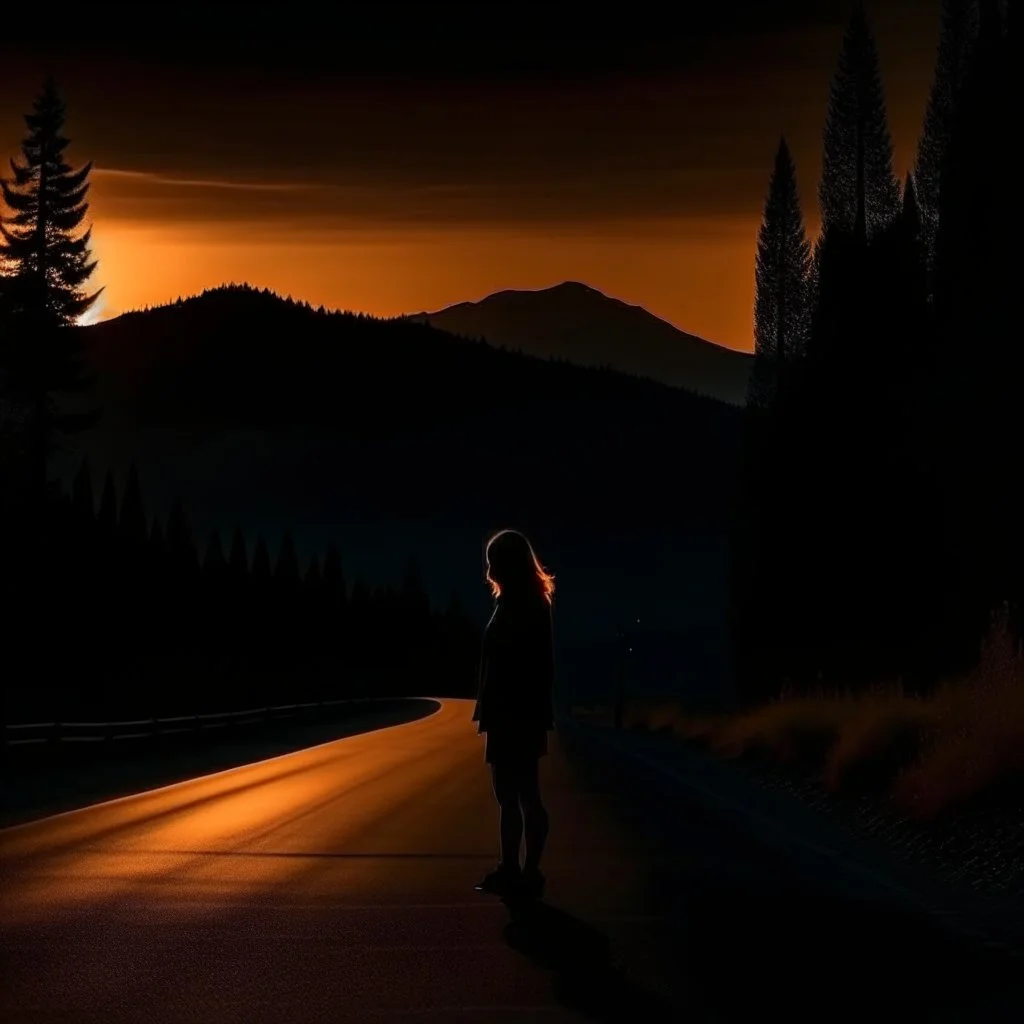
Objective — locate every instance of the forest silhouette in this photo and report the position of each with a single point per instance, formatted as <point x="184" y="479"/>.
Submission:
<point x="878" y="524"/>
<point x="148" y="627"/>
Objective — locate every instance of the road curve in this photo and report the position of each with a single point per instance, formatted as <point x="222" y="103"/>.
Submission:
<point x="335" y="884"/>
<point x="329" y="884"/>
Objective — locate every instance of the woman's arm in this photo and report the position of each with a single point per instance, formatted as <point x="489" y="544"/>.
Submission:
<point x="482" y="673"/>
<point x="549" y="671"/>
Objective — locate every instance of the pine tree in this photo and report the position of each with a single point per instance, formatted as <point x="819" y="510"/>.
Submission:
<point x="912" y="264"/>
<point x="133" y="513"/>
<point x="214" y="563"/>
<point x="414" y="595"/>
<point x="180" y="544"/>
<point x="261" y="572"/>
<point x="82" y="497"/>
<point x="47" y="263"/>
<point x="287" y="569"/>
<point x="238" y="560"/>
<point x="108" y="506"/>
<point x="972" y="214"/>
<point x="313" y="578"/>
<point x="781" y="308"/>
<point x="48" y="203"/>
<point x="334" y="578"/>
<point x="157" y="557"/>
<point x="362" y="597"/>
<point x="859" y="192"/>
<point x="958" y="28"/>
<point x="975" y="284"/>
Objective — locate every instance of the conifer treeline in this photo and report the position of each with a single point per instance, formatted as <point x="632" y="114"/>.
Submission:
<point x="880" y="517"/>
<point x="141" y="625"/>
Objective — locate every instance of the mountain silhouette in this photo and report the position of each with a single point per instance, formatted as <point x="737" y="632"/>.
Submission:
<point x="252" y="405"/>
<point x="575" y="322"/>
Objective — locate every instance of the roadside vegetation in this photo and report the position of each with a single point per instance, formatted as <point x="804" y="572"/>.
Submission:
<point x="925" y="757"/>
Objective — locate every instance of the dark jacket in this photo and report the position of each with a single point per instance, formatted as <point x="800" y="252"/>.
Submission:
<point x="516" y="667"/>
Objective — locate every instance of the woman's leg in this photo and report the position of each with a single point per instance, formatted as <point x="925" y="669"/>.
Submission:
<point x="535" y="815"/>
<point x="510" y="818"/>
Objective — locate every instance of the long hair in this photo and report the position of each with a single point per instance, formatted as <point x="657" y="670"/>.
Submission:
<point x="512" y="567"/>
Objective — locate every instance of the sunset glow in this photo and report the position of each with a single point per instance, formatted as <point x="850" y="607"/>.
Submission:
<point x="390" y="271"/>
<point x="646" y="182"/>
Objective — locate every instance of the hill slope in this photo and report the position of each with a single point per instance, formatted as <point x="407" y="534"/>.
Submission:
<point x="575" y="322"/>
<point x="249" y="402"/>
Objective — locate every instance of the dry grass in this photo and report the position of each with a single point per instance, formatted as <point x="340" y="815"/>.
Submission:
<point x="976" y="751"/>
<point x="963" y="745"/>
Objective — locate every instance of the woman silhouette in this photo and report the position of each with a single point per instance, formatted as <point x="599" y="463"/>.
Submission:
<point x="514" y="706"/>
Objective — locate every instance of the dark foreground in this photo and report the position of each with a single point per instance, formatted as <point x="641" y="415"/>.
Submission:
<point x="335" y="883"/>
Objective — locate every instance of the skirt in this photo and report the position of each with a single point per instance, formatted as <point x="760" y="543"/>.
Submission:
<point x="515" y="743"/>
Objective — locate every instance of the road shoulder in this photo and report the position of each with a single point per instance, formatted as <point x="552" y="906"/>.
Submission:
<point x="857" y="867"/>
<point x="37" y="789"/>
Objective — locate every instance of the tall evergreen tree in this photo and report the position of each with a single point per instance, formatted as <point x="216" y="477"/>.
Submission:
<point x="900" y="341"/>
<point x="238" y="560"/>
<point x="47" y="263"/>
<point x="81" y="492"/>
<point x="859" y="192"/>
<point x="334" y="578"/>
<point x="180" y="544"/>
<point x="781" y="307"/>
<point x="975" y="283"/>
<point x="261" y="571"/>
<point x="362" y="596"/>
<point x="214" y="562"/>
<point x="313" y="577"/>
<point x="972" y="214"/>
<point x="157" y="540"/>
<point x="133" y="513"/>
<point x="287" y="569"/>
<point x="108" y="506"/>
<point x="958" y="28"/>
<point x="911" y="245"/>
<point x="802" y="564"/>
<point x="157" y="558"/>
<point x="414" y="595"/>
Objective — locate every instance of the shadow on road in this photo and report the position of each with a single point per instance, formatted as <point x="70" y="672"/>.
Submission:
<point x="760" y="934"/>
<point x="578" y="956"/>
<point x="809" y="955"/>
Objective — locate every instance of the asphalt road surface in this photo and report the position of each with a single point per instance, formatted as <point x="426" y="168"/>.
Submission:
<point x="335" y="884"/>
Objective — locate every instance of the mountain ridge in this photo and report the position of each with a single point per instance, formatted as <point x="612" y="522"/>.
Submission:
<point x="581" y="324"/>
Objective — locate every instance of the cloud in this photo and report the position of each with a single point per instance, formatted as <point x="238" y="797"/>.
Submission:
<point x="149" y="177"/>
<point x="569" y="199"/>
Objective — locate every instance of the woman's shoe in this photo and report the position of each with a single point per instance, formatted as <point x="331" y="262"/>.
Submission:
<point x="531" y="883"/>
<point x="502" y="881"/>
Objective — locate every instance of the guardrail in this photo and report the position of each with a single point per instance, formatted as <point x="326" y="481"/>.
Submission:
<point x="34" y="733"/>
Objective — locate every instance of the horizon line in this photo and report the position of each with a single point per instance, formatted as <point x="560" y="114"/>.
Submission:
<point x="289" y="297"/>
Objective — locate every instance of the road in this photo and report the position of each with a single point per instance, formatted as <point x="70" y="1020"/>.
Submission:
<point x="335" y="884"/>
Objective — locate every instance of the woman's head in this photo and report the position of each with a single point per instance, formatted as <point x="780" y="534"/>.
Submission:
<point x="513" y="569"/>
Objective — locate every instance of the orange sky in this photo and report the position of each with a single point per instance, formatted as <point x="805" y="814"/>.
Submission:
<point x="392" y="271"/>
<point x="425" y="193"/>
